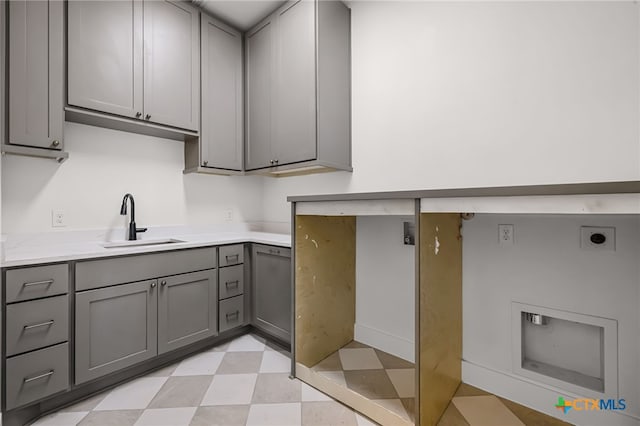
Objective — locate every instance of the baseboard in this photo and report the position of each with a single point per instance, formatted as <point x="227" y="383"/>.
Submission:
<point x="540" y="398"/>
<point x="386" y="342"/>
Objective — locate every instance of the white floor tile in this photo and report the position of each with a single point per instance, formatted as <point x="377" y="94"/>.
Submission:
<point x="359" y="359"/>
<point x="230" y="389"/>
<point x="311" y="394"/>
<point x="275" y="362"/>
<point x="275" y="415"/>
<point x="363" y="421"/>
<point x="204" y="364"/>
<point x="166" y="417"/>
<point x="133" y="395"/>
<point x="62" y="419"/>
<point x="404" y="381"/>
<point x="247" y="343"/>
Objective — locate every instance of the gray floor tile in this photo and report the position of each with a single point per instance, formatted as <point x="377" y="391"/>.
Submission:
<point x="276" y="387"/>
<point x="330" y="363"/>
<point x="240" y="363"/>
<point x="409" y="405"/>
<point x="222" y="415"/>
<point x="355" y="345"/>
<point x="111" y="418"/>
<point x="87" y="404"/>
<point x="181" y="391"/>
<point x="392" y="362"/>
<point x="327" y="413"/>
<point x="372" y="384"/>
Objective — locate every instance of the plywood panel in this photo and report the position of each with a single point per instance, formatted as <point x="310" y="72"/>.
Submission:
<point x="440" y="313"/>
<point x="325" y="285"/>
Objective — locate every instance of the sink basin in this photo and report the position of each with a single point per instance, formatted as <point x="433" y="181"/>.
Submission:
<point x="141" y="243"/>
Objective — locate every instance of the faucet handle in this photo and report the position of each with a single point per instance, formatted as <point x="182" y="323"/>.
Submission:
<point x="141" y="229"/>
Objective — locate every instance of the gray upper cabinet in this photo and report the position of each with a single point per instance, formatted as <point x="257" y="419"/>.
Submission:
<point x="271" y="290"/>
<point x="172" y="63"/>
<point x="115" y="327"/>
<point x="221" y="137"/>
<point x="259" y="46"/>
<point x="36" y="73"/>
<point x="187" y="309"/>
<point x="136" y="59"/>
<point x="299" y="89"/>
<point x="105" y="56"/>
<point x="3" y="99"/>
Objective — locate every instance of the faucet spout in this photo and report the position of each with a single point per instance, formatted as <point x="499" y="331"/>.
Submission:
<point x="133" y="230"/>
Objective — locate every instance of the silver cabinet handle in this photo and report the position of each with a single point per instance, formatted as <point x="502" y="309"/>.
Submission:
<point x="235" y="314"/>
<point x="55" y="143"/>
<point x="232" y="283"/>
<point x="41" y="376"/>
<point x="153" y="284"/>
<point x="138" y="114"/>
<point x="45" y="282"/>
<point x="274" y="251"/>
<point x="42" y="324"/>
<point x="163" y="283"/>
<point x="147" y="117"/>
<point x="232" y="256"/>
<point x="205" y="163"/>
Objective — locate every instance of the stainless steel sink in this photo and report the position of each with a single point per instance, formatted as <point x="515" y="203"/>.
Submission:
<point x="141" y="243"/>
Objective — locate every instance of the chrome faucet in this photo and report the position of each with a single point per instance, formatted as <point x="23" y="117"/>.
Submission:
<point x="133" y="231"/>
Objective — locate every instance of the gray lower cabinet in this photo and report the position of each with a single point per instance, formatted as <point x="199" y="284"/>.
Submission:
<point x="187" y="309"/>
<point x="115" y="327"/>
<point x="271" y="290"/>
<point x="36" y="73"/>
<point x="299" y="88"/>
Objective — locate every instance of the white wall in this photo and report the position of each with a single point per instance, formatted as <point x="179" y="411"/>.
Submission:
<point x="385" y="286"/>
<point x="453" y="94"/>
<point x="105" y="164"/>
<point x="546" y="267"/>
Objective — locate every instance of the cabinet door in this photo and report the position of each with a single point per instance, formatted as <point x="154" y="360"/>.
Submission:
<point x="36" y="109"/>
<point x="259" y="87"/>
<point x="3" y="124"/>
<point x="187" y="309"/>
<point x="221" y="137"/>
<point x="105" y="56"/>
<point x="295" y="112"/>
<point x="171" y="63"/>
<point x="271" y="271"/>
<point x="116" y="327"/>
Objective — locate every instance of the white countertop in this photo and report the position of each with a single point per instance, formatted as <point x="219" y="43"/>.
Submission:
<point x="36" y="249"/>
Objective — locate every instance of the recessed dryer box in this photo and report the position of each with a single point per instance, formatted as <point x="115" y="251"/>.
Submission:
<point x="571" y="351"/>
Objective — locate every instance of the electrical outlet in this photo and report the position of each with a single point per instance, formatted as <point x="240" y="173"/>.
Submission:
<point x="228" y="215"/>
<point x="58" y="219"/>
<point x="505" y="235"/>
<point x="598" y="238"/>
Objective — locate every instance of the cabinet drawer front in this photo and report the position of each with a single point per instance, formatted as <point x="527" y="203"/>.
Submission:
<point x="231" y="313"/>
<point x="36" y="324"/>
<point x="121" y="270"/>
<point x="231" y="282"/>
<point x="231" y="255"/>
<point x="36" y="375"/>
<point x="40" y="281"/>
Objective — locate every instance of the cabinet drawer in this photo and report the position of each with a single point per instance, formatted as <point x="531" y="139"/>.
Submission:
<point x="231" y="255"/>
<point x="231" y="313"/>
<point x="36" y="375"/>
<point x="40" y="281"/>
<point x="231" y="282"/>
<point x="36" y="324"/>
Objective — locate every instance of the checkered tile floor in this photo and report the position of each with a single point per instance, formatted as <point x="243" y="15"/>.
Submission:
<point x="244" y="382"/>
<point x="382" y="378"/>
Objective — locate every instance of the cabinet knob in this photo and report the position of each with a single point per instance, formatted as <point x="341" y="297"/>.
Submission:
<point x="163" y="283"/>
<point x="55" y="143"/>
<point x="153" y="284"/>
<point x="276" y="161"/>
<point x="138" y="114"/>
<point x="147" y="117"/>
<point x="204" y="163"/>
